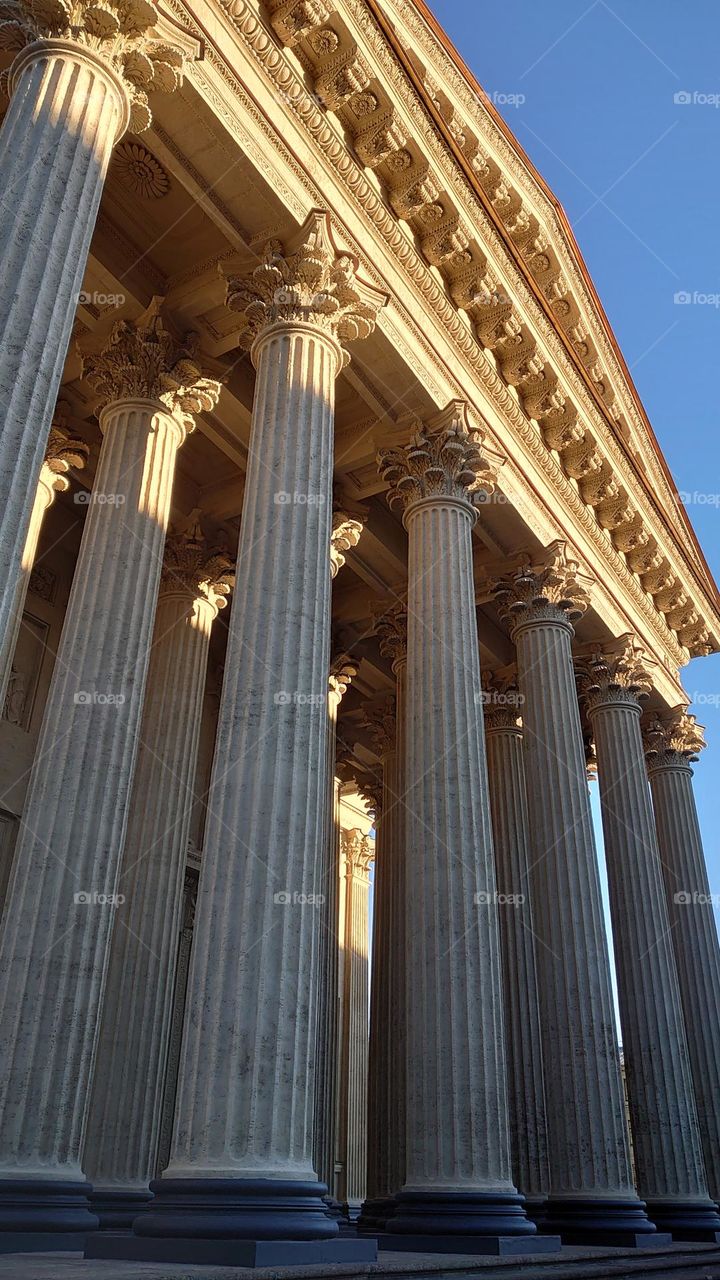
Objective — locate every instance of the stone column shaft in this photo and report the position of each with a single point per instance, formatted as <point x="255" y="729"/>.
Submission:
<point x="511" y="827"/>
<point x="357" y="853"/>
<point x="592" y="1197"/>
<point x="666" y="1142"/>
<point x="241" y="1159"/>
<point x="458" y="1179"/>
<point x="57" y="921"/>
<point x="692" y="921"/>
<point x="126" y="1110"/>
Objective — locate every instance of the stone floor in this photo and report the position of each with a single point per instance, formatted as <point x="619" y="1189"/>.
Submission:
<point x="679" y="1262"/>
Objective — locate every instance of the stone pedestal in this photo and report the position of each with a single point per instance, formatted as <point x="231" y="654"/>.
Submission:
<point x="592" y="1198"/>
<point x="357" y="853"/>
<point x="386" y="1066"/>
<point x="458" y="1178"/>
<point x="62" y="894"/>
<point x="120" y="1152"/>
<point x="71" y="99"/>
<point x="673" y="744"/>
<point x="241" y="1160"/>
<point x="511" y="836"/>
<point x="666" y="1143"/>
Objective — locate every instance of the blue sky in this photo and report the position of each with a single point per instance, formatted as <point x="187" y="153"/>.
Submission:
<point x="639" y="177"/>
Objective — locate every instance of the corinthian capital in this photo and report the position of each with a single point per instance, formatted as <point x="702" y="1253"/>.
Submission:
<point x="444" y="459"/>
<point x="191" y="565"/>
<point x="63" y="452"/>
<point x="118" y="31"/>
<point x="144" y="360"/>
<point x="619" y="671"/>
<point x="673" y="740"/>
<point x="548" y="587"/>
<point x="345" y="535"/>
<point x="502" y="699"/>
<point x="379" y="719"/>
<point x="358" y="851"/>
<point x="308" y="281"/>
<point x="390" y="625"/>
<point x="342" y="673"/>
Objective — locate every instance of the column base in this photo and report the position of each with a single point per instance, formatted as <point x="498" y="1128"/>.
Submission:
<point x="237" y="1209"/>
<point x="618" y="1223"/>
<point x="698" y="1221"/>
<point x="495" y="1246"/>
<point x="117" y="1210"/>
<point x="460" y="1213"/>
<point x="376" y="1213"/>
<point x="230" y="1252"/>
<point x="536" y="1209"/>
<point x="37" y="1208"/>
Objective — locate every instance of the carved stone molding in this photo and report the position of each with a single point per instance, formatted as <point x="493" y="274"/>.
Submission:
<point x="443" y="460"/>
<point x="342" y="673"/>
<point x="143" y="359"/>
<point x="308" y="281"/>
<point x="63" y="452"/>
<point x="673" y="741"/>
<point x="550" y="587"/>
<point x="119" y="32"/>
<point x="619" y="671"/>
<point x="191" y="565"/>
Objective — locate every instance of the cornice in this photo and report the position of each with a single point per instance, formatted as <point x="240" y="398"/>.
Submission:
<point x="328" y="138"/>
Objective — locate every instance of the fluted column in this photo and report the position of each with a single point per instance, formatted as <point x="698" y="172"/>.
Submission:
<point x="673" y="744"/>
<point x="342" y="673"/>
<point x="75" y="85"/>
<point x="241" y="1159"/>
<point x="666" y="1142"/>
<point x="386" y="1066"/>
<point x="357" y="854"/>
<point x="458" y="1180"/>
<point x="120" y="1152"/>
<point x="59" y="910"/>
<point x="592" y="1198"/>
<point x="510" y="825"/>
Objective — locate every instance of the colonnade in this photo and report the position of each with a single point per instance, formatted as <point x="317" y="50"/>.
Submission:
<point x="496" y="1103"/>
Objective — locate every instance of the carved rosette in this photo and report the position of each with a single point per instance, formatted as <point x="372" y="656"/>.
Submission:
<point x="63" y="452"/>
<point x="390" y="626"/>
<point x="502" y="699"/>
<point x="379" y="720"/>
<point x="550" y="588"/>
<point x="191" y="565"/>
<point x="358" y="851"/>
<point x="345" y="535"/>
<point x="444" y="459"/>
<point x="144" y="360"/>
<point x="342" y="673"/>
<point x="117" y="31"/>
<point x="308" y="282"/>
<point x="618" y="672"/>
<point x="673" y="741"/>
